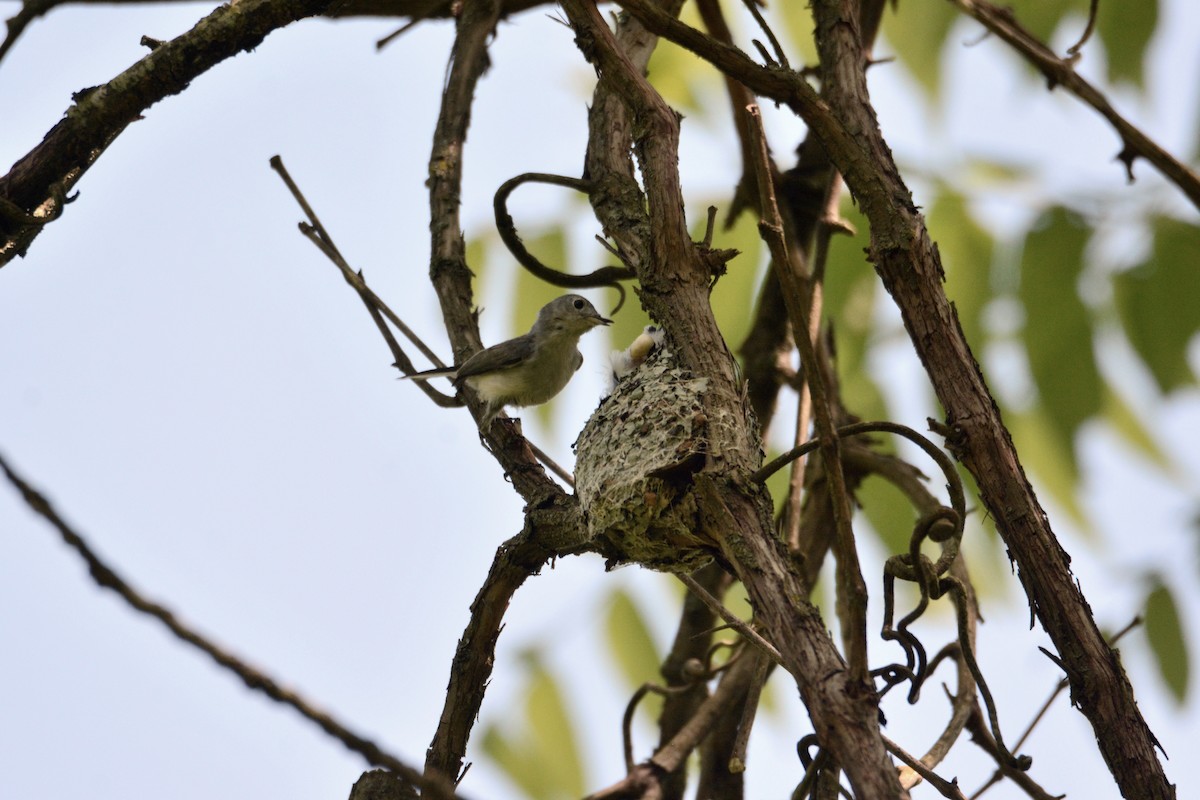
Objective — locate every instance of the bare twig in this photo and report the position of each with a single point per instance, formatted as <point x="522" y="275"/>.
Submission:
<point x="737" y="758"/>
<point x="549" y="532"/>
<point x="325" y="243"/>
<point x="947" y="788"/>
<point x="1061" y="72"/>
<point x="983" y="738"/>
<point x="1062" y="685"/>
<point x="553" y="465"/>
<point x="798" y="296"/>
<point x="749" y="634"/>
<point x="106" y="577"/>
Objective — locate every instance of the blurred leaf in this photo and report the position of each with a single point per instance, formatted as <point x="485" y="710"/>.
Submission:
<point x="1125" y="421"/>
<point x="736" y="293"/>
<point x="550" y="247"/>
<point x="917" y="32"/>
<point x="796" y="32"/>
<point x="1041" y="17"/>
<point x="479" y="257"/>
<point x="682" y="78"/>
<point x="1165" y="634"/>
<point x="673" y="70"/>
<point x="889" y="512"/>
<point x="966" y="250"/>
<point x="1126" y="29"/>
<point x="991" y="173"/>
<point x="777" y="484"/>
<point x="542" y="759"/>
<point x="851" y="295"/>
<point x="630" y="642"/>
<point x="1044" y="456"/>
<point x="1158" y="304"/>
<point x="1058" y="330"/>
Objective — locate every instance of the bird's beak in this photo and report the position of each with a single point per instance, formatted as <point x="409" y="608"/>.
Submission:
<point x="599" y="320"/>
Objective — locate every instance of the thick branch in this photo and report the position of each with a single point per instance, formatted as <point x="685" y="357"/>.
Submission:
<point x="735" y="514"/>
<point x="36" y="188"/>
<point x="907" y="261"/>
<point x="548" y="532"/>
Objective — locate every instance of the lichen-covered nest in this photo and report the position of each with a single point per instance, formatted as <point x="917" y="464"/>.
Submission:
<point x="634" y="464"/>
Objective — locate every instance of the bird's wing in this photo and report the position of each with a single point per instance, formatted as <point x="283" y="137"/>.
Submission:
<point x="497" y="357"/>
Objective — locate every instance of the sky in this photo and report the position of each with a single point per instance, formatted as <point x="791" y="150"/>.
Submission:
<point x="203" y="398"/>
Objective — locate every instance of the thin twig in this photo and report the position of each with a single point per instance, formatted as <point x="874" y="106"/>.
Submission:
<point x="947" y="788"/>
<point x="747" y="633"/>
<point x="100" y="114"/>
<point x="351" y="276"/>
<point x="798" y="295"/>
<point x="552" y="465"/>
<point x="999" y="774"/>
<point x="255" y="679"/>
<point x="1060" y="72"/>
<point x="781" y="58"/>
<point x="737" y="758"/>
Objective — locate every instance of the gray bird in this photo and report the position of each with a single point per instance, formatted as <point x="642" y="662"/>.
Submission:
<point x="530" y="369"/>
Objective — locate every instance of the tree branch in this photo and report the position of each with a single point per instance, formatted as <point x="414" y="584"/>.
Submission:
<point x="907" y="261"/>
<point x="1061" y="72"/>
<point x="734" y="515"/>
<point x="36" y="188"/>
<point x="548" y="533"/>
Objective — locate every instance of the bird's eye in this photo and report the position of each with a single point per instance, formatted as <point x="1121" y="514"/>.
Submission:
<point x="579" y="301"/>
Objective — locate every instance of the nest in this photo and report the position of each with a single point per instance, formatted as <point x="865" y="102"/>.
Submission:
<point x="634" y="465"/>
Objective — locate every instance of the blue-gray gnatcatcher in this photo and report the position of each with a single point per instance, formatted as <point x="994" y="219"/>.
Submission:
<point x="529" y="369"/>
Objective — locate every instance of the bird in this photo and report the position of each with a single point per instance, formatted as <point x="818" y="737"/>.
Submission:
<point x="626" y="361"/>
<point x="532" y="368"/>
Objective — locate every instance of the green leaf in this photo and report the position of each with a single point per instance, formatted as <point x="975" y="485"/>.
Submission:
<point x="1157" y="303"/>
<point x="682" y="79"/>
<point x="1044" y="456"/>
<point x="735" y="295"/>
<point x="889" y="512"/>
<point x="542" y="758"/>
<point x="851" y="294"/>
<point x="550" y="247"/>
<point x="797" y="30"/>
<point x="1058" y="330"/>
<point x="1126" y="29"/>
<point x="1165" y="633"/>
<point x="917" y="32"/>
<point x="630" y="642"/>
<point x="1041" y="17"/>
<point x="479" y="255"/>
<point x="966" y="251"/>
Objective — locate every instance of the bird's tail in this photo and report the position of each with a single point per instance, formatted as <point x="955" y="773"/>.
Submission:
<point x="441" y="372"/>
